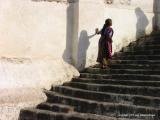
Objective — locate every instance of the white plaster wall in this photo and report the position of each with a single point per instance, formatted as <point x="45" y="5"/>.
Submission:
<point x="32" y="29"/>
<point x="131" y="28"/>
<point x="91" y="16"/>
<point x="131" y="20"/>
<point x="34" y="53"/>
<point x="22" y="82"/>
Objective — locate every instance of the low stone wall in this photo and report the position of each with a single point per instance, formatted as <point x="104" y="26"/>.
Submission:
<point x="23" y="80"/>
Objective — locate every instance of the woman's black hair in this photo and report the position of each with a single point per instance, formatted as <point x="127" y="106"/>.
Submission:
<point x="108" y="22"/>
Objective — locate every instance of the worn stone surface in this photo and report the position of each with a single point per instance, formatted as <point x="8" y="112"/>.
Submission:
<point x="11" y="111"/>
<point x="22" y="81"/>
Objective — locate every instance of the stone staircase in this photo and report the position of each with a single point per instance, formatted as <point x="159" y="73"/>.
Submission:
<point x="129" y="90"/>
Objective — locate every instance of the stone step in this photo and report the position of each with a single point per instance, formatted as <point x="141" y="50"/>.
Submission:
<point x="119" y="82"/>
<point x="103" y="108"/>
<point x="147" y="39"/>
<point x="135" y="66"/>
<point x="122" y="89"/>
<point x="137" y="57"/>
<point x="141" y="48"/>
<point x="151" y="42"/>
<point x="134" y="50"/>
<point x="37" y="114"/>
<point x="143" y="44"/>
<point x="121" y="76"/>
<point x="154" y="42"/>
<point x="145" y="52"/>
<point x="135" y="61"/>
<point x="55" y="107"/>
<point x="109" y="97"/>
<point x="121" y="71"/>
<point x="132" y="66"/>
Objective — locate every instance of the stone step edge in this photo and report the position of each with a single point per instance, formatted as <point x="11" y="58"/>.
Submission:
<point x="132" y="49"/>
<point x="119" y="82"/>
<point x="108" y="93"/>
<point x="134" y="69"/>
<point x="73" y="101"/>
<point x="33" y="112"/>
<point x="71" y="109"/>
<point x="120" y="75"/>
<point x="139" y="60"/>
<point x="106" y="85"/>
<point x="136" y="61"/>
<point x="148" y="65"/>
<point x="110" y="69"/>
<point x="128" y="89"/>
<point x="133" y="64"/>
<point x="83" y="79"/>
<point x="53" y="93"/>
<point x="120" y="52"/>
<point x="131" y="55"/>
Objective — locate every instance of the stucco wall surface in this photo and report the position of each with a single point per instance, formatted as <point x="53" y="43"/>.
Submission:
<point x="33" y="52"/>
<point x="131" y="20"/>
<point x="32" y="29"/>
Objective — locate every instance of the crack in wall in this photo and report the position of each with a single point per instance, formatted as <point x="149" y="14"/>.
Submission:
<point x="58" y="1"/>
<point x="16" y="60"/>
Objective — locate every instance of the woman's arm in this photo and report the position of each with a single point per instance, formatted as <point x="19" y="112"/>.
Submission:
<point x="97" y="31"/>
<point x="101" y="31"/>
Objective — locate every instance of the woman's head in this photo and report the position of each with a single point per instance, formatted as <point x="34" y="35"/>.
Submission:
<point x="108" y="22"/>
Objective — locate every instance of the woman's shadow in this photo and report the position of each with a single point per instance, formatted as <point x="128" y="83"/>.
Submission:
<point x="155" y="18"/>
<point x="82" y="49"/>
<point x="142" y="22"/>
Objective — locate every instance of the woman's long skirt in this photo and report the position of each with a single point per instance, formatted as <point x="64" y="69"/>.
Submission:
<point x="104" y="49"/>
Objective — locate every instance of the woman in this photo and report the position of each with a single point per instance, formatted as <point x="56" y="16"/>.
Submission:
<point x="105" y="44"/>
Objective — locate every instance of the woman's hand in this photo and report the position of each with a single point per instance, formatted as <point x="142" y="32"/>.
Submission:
<point x="96" y="31"/>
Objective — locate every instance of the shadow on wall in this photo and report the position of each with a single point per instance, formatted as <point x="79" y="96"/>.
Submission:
<point x="72" y="17"/>
<point x="155" y="18"/>
<point x="82" y="49"/>
<point x="67" y="55"/>
<point x="75" y="52"/>
<point x="142" y="22"/>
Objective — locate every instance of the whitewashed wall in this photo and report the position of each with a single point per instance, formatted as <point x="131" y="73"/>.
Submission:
<point x="131" y="20"/>
<point x="33" y="52"/>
